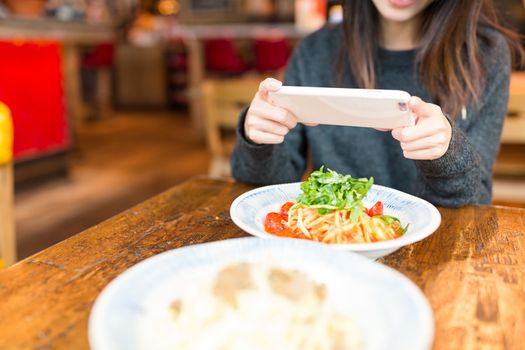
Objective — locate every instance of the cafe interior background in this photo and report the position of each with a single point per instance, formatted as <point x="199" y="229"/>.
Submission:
<point x="115" y="101"/>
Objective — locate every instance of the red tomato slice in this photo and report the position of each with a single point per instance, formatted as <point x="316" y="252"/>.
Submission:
<point x="285" y="208"/>
<point x="377" y="209"/>
<point x="285" y="233"/>
<point x="274" y="223"/>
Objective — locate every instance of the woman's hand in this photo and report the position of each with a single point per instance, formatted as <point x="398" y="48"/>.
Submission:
<point x="266" y="123"/>
<point x="430" y="137"/>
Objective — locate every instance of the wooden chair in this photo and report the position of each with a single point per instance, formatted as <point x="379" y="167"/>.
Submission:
<point x="223" y="100"/>
<point x="7" y="227"/>
<point x="514" y="129"/>
<point x="100" y="63"/>
<point x="513" y="135"/>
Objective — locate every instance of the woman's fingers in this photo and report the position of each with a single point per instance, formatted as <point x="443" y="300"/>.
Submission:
<point x="268" y="111"/>
<point x="424" y="154"/>
<point x="428" y="116"/>
<point x="422" y="109"/>
<point x="429" y="122"/>
<point x="430" y="138"/>
<point x="269" y="126"/>
<point x="262" y="137"/>
<point x="424" y="143"/>
<point x="412" y="133"/>
<point x="266" y="123"/>
<point x="268" y="85"/>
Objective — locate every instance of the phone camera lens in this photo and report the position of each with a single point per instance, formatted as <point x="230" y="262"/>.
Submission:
<point x="402" y="106"/>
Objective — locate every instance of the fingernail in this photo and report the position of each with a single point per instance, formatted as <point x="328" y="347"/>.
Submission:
<point x="275" y="83"/>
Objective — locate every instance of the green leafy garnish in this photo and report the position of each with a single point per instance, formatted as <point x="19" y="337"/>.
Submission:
<point x="329" y="191"/>
<point x="389" y="220"/>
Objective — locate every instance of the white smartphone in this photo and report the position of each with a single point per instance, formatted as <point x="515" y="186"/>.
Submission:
<point x="373" y="108"/>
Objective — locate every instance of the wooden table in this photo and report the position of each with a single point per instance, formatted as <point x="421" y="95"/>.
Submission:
<point x="472" y="269"/>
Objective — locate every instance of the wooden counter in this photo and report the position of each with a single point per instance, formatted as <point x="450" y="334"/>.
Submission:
<point x="66" y="32"/>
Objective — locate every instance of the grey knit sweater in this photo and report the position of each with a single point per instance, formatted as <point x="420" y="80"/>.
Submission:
<point x="462" y="176"/>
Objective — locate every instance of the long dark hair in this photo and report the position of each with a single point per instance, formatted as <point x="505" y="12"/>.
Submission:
<point x="448" y="57"/>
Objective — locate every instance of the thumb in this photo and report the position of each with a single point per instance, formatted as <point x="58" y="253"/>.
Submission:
<point x="269" y="85"/>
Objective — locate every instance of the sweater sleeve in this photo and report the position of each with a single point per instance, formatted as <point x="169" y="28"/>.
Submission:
<point x="269" y="164"/>
<point x="463" y="175"/>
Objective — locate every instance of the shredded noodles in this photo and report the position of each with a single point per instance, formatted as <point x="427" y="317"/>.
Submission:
<point x="337" y="227"/>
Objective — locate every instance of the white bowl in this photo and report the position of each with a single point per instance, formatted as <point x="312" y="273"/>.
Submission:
<point x="389" y="311"/>
<point x="249" y="210"/>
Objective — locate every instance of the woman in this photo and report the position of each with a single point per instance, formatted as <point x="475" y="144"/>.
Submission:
<point x="451" y="56"/>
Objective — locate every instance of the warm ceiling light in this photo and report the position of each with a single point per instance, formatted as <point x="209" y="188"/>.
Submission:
<point x="168" y="7"/>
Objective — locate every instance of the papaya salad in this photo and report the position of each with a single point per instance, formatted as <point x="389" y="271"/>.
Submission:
<point x="330" y="209"/>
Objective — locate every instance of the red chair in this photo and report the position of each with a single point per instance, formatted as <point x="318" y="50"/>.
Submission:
<point x="271" y="54"/>
<point x="102" y="56"/>
<point x="221" y="56"/>
<point x="96" y="75"/>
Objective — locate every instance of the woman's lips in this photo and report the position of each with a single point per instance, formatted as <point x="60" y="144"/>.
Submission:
<point x="402" y="3"/>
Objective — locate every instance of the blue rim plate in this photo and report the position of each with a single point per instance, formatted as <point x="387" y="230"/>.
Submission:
<point x="249" y="210"/>
<point x="388" y="309"/>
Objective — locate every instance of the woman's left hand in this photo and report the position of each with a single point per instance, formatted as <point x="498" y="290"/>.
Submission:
<point x="430" y="137"/>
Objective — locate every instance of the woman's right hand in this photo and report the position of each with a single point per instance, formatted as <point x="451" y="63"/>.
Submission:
<point x="266" y="123"/>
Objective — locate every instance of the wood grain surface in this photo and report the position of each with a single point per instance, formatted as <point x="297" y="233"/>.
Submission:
<point x="472" y="269"/>
<point x="7" y="224"/>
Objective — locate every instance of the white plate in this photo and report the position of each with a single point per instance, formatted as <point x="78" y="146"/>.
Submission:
<point x="373" y="108"/>
<point x="249" y="210"/>
<point x="389" y="310"/>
